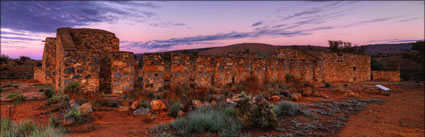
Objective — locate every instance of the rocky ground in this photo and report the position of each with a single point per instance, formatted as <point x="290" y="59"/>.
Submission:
<point x="342" y="110"/>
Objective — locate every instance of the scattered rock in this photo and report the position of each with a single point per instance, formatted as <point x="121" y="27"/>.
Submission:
<point x="206" y="104"/>
<point x="85" y="108"/>
<point x="235" y="98"/>
<point x="74" y="104"/>
<point x="213" y="103"/>
<point x="134" y="105"/>
<point x="112" y="103"/>
<point x="228" y="100"/>
<point x="308" y="91"/>
<point x="275" y="98"/>
<point x="68" y="121"/>
<point x="124" y="108"/>
<point x="296" y="96"/>
<point x="158" y="105"/>
<point x="197" y="103"/>
<point x="125" y="103"/>
<point x="180" y="113"/>
<point x="141" y="111"/>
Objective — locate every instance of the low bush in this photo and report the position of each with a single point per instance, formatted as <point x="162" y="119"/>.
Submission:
<point x="17" y="98"/>
<point x="53" y="121"/>
<point x="77" y="116"/>
<point x="27" y="128"/>
<point x="289" y="77"/>
<point x="286" y="108"/>
<point x="174" y="108"/>
<point x="58" y="98"/>
<point x="73" y="87"/>
<point x="207" y="119"/>
<point x="1" y="89"/>
<point x="327" y="84"/>
<point x="48" y="92"/>
<point x="257" y="114"/>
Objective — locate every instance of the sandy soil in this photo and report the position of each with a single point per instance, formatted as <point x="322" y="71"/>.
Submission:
<point x="402" y="114"/>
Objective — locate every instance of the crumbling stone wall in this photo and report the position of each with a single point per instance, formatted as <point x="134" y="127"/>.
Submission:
<point x="204" y="69"/>
<point x="386" y="76"/>
<point x="39" y="74"/>
<point x="344" y="67"/>
<point x="180" y="69"/>
<point x="49" y="61"/>
<point x="123" y="72"/>
<point x="92" y="57"/>
<point x="81" y="54"/>
<point x="154" y="71"/>
<point x="224" y="71"/>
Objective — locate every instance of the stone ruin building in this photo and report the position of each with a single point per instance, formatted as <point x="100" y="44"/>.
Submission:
<point x="92" y="57"/>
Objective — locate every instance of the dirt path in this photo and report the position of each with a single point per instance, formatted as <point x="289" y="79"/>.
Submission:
<point x="401" y="115"/>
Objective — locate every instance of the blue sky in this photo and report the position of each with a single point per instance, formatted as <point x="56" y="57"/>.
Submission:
<point x="163" y="26"/>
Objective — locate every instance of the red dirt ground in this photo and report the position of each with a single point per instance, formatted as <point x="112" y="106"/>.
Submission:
<point x="401" y="115"/>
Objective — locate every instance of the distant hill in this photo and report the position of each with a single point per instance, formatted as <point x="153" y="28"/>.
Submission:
<point x="388" y="48"/>
<point x="256" y="47"/>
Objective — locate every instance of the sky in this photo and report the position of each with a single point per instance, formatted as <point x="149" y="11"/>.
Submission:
<point x="157" y="26"/>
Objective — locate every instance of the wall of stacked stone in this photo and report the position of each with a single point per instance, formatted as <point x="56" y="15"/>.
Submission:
<point x="84" y="55"/>
<point x="123" y="72"/>
<point x="39" y="74"/>
<point x="49" y="60"/>
<point x="386" y="76"/>
<point x="344" y="67"/>
<point x="204" y="69"/>
<point x="154" y="71"/>
<point x="224" y="71"/>
<point x="92" y="57"/>
<point x="181" y="70"/>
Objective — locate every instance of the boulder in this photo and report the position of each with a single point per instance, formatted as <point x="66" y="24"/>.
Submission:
<point x="134" y="105"/>
<point x="295" y="96"/>
<point x="197" y="103"/>
<point x="68" y="121"/>
<point x="85" y="108"/>
<point x="124" y="108"/>
<point x="74" y="104"/>
<point x="206" y="104"/>
<point x="180" y="113"/>
<point x="158" y="105"/>
<point x="141" y="111"/>
<point x="213" y="103"/>
<point x="275" y="98"/>
<point x="308" y="91"/>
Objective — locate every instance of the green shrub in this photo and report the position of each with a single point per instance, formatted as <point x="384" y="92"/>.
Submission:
<point x="27" y="128"/>
<point x="212" y="91"/>
<point x="1" y="89"/>
<point x="286" y="108"/>
<point x="289" y="77"/>
<point x="73" y="87"/>
<point x="48" y="92"/>
<point x="327" y="84"/>
<point x="73" y="113"/>
<point x="259" y="114"/>
<point x="79" y="118"/>
<point x="207" y="120"/>
<point x="174" y="108"/>
<point x="17" y="98"/>
<point x="53" y="121"/>
<point x="57" y="98"/>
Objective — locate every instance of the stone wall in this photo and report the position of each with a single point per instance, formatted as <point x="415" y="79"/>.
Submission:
<point x="344" y="67"/>
<point x="92" y="58"/>
<point x="123" y="72"/>
<point x="39" y="74"/>
<point x="49" y="61"/>
<point x="154" y="71"/>
<point x="386" y="76"/>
